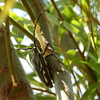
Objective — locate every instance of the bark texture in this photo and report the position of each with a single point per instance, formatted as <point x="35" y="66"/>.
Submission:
<point x="7" y="92"/>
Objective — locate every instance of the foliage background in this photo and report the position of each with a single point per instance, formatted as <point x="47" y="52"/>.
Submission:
<point x="75" y="36"/>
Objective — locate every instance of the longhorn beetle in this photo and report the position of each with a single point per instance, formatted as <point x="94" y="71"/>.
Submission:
<point x="40" y="63"/>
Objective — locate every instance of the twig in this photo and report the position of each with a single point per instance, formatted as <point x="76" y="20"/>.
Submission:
<point x="89" y="23"/>
<point x="59" y="14"/>
<point x="70" y="34"/>
<point x="44" y="91"/>
<point x="21" y="28"/>
<point x="9" y="54"/>
<point x="87" y="12"/>
<point x="81" y="54"/>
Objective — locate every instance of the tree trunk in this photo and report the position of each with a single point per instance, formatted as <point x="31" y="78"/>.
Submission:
<point x="61" y="76"/>
<point x="7" y="91"/>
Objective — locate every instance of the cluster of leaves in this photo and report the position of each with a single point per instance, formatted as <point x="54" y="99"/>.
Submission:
<point x="77" y="29"/>
<point x="75" y="35"/>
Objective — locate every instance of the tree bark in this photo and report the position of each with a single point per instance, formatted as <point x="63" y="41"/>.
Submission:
<point x="61" y="76"/>
<point x="7" y="91"/>
<point x="37" y="9"/>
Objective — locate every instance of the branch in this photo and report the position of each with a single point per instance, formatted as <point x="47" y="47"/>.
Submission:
<point x="87" y="12"/>
<point x="44" y="91"/>
<point x="37" y="8"/>
<point x="6" y="83"/>
<point x="21" y="28"/>
<point x="61" y="77"/>
<point x="9" y="53"/>
<point x="74" y="41"/>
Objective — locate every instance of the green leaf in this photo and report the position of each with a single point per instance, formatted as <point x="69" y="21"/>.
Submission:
<point x="70" y="27"/>
<point x="68" y="13"/>
<point x="19" y="6"/>
<point x="61" y="32"/>
<point x="95" y="67"/>
<point x="14" y="16"/>
<point x="81" y="36"/>
<point x="70" y="55"/>
<point x="17" y="34"/>
<point x="23" y="47"/>
<point x="85" y="5"/>
<point x="93" y="57"/>
<point x="91" y="89"/>
<point x="53" y="19"/>
<point x="46" y="97"/>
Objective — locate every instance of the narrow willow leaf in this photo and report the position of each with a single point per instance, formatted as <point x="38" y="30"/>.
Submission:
<point x="95" y="67"/>
<point x="70" y="27"/>
<point x="70" y="55"/>
<point x="91" y="89"/>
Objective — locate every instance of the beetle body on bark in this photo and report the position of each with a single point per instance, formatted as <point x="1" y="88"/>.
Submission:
<point x="41" y="67"/>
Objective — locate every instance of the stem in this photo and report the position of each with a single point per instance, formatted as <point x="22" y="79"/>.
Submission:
<point x="74" y="41"/>
<point x="89" y="23"/>
<point x="87" y="12"/>
<point x="59" y="14"/>
<point x="21" y="28"/>
<point x="44" y="91"/>
<point x="9" y="54"/>
<point x="55" y="66"/>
